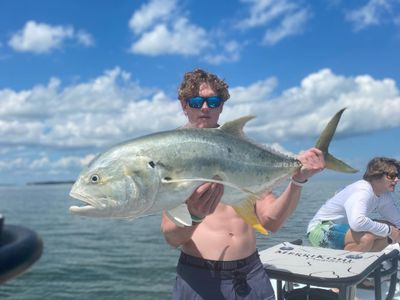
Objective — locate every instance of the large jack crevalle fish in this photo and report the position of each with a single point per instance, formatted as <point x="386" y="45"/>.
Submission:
<point x="159" y="172"/>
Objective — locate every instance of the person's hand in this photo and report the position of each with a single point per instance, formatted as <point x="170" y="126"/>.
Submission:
<point x="205" y="198"/>
<point x="394" y="234"/>
<point x="312" y="162"/>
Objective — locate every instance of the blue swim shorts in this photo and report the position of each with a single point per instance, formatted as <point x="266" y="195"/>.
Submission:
<point x="201" y="279"/>
<point x="328" y="235"/>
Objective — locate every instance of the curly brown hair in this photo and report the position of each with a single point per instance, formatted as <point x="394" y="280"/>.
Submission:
<point x="379" y="166"/>
<point x="192" y="80"/>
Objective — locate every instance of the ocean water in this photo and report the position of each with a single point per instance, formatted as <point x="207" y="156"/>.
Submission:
<point x="86" y="258"/>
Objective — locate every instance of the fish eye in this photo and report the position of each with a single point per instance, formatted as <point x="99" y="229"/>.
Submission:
<point x="94" y="178"/>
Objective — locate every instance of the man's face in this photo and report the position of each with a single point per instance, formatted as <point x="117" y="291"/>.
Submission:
<point x="203" y="117"/>
<point x="388" y="181"/>
<point x="391" y="179"/>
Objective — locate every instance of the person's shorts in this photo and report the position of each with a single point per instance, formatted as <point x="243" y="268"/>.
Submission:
<point x="328" y="235"/>
<point x="199" y="279"/>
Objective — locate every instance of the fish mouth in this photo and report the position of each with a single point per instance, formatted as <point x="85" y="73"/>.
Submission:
<point x="82" y="210"/>
<point x="92" y="206"/>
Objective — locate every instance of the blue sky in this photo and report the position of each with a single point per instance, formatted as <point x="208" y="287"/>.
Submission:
<point x="78" y="77"/>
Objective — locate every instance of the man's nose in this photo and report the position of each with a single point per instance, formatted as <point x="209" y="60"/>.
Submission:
<point x="204" y="107"/>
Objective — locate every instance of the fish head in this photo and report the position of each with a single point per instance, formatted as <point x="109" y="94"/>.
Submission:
<point x="116" y="188"/>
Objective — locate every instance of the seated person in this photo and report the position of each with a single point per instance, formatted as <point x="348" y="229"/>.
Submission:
<point x="344" y="221"/>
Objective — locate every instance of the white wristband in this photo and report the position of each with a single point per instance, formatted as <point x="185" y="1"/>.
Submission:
<point x="298" y="183"/>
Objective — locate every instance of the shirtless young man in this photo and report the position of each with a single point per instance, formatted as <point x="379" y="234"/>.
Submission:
<point x="219" y="259"/>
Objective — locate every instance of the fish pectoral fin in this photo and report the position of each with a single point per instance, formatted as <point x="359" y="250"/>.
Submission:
<point x="246" y="210"/>
<point x="226" y="183"/>
<point x="180" y="215"/>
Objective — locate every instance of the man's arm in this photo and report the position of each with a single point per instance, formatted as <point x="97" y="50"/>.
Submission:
<point x="175" y="235"/>
<point x="201" y="203"/>
<point x="389" y="210"/>
<point x="274" y="211"/>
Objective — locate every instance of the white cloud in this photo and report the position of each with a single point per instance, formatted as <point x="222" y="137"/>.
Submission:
<point x="373" y="13"/>
<point x="290" y="25"/>
<point x="163" y="28"/>
<point x="68" y="162"/>
<point x="160" y="28"/>
<point x="15" y="131"/>
<point x="85" y="38"/>
<point x="280" y="19"/>
<point x="256" y="92"/>
<point x="181" y="38"/>
<point x="150" y="13"/>
<point x="112" y="108"/>
<point x="265" y="11"/>
<point x="42" y="38"/>
<point x="108" y="108"/>
<point x="44" y="163"/>
<point x="230" y="53"/>
<point x="304" y="110"/>
<point x="9" y="165"/>
<point x="40" y="163"/>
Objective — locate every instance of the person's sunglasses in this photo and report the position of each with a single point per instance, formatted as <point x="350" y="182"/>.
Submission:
<point x="392" y="176"/>
<point x="197" y="102"/>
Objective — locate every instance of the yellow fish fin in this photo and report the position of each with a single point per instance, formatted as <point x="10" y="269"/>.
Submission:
<point x="246" y="211"/>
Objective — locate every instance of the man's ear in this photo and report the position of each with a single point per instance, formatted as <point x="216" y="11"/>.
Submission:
<point x="222" y="106"/>
<point x="183" y="105"/>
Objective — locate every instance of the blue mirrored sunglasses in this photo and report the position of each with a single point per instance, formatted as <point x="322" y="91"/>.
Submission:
<point x="197" y="102"/>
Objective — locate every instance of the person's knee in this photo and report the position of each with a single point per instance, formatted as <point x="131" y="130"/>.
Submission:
<point x="368" y="238"/>
<point x="362" y="242"/>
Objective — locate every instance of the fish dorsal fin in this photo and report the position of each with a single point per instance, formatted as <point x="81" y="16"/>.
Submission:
<point x="235" y="127"/>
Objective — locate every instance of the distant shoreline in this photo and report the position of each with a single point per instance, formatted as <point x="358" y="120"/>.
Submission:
<point x="50" y="182"/>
